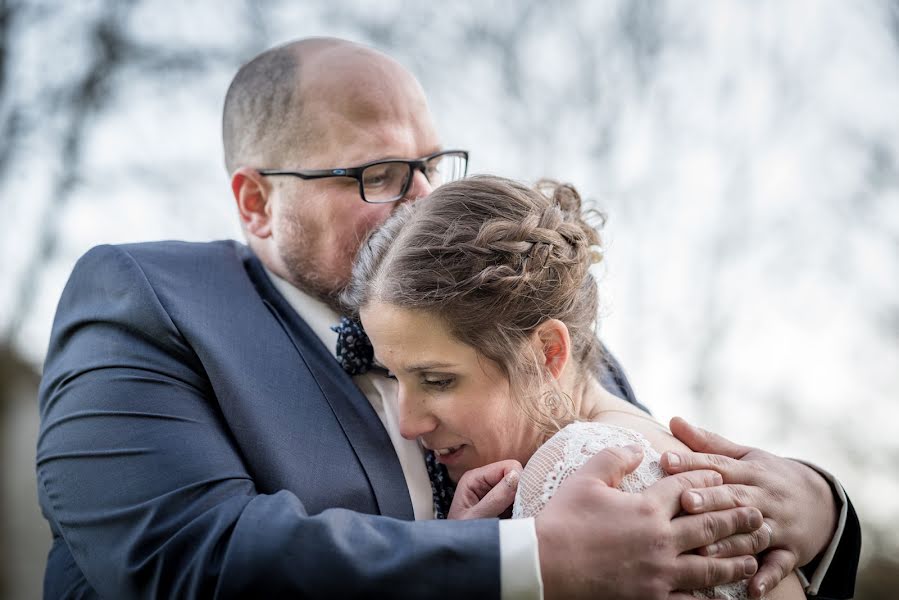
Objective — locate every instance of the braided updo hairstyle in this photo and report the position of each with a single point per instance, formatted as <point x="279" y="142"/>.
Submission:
<point x="494" y="259"/>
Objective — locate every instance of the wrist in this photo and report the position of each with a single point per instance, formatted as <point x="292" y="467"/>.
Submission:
<point x="826" y="524"/>
<point x="546" y="550"/>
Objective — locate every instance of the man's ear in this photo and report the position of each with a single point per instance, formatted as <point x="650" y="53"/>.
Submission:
<point x="553" y="343"/>
<point x="251" y="191"/>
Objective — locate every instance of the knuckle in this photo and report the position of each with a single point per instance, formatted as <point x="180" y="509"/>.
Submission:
<point x="756" y="468"/>
<point x="760" y="539"/>
<point x="713" y="572"/>
<point x="649" y="511"/>
<point x="711" y="526"/>
<point x="740" y="496"/>
<point x="726" y="546"/>
<point x="718" y="461"/>
<point x="697" y="479"/>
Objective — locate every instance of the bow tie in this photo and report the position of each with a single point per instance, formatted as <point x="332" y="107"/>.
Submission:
<point x="354" y="351"/>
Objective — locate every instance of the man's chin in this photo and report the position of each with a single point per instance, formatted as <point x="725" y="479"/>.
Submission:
<point x="323" y="286"/>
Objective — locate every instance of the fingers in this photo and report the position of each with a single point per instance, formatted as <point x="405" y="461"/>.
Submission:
<point x="497" y="500"/>
<point x="733" y="470"/>
<point x="700" y="440"/>
<point x="611" y="464"/>
<point x="478" y="482"/>
<point x="741" y="544"/>
<point x="695" y="531"/>
<point x="666" y="492"/>
<point x="721" y="497"/>
<point x="693" y="571"/>
<point x="492" y="474"/>
<point x="776" y="565"/>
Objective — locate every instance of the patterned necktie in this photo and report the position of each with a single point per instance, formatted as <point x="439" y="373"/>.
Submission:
<point x="356" y="355"/>
<point x="354" y="351"/>
<point x="442" y="488"/>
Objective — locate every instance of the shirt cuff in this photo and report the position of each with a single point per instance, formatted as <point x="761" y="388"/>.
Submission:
<point x="519" y="560"/>
<point x="811" y="585"/>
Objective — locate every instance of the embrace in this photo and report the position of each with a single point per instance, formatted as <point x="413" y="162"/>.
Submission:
<point x="399" y="359"/>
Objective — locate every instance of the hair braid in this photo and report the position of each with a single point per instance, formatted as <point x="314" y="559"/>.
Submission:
<point x="494" y="259"/>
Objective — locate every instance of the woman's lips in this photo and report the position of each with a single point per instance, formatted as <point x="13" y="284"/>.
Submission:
<point x="451" y="455"/>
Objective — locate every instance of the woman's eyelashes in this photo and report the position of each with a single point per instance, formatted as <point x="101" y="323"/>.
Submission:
<point x="433" y="381"/>
<point x="439" y="382"/>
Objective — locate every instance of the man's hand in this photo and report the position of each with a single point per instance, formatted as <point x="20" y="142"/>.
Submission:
<point x="798" y="505"/>
<point x="596" y="541"/>
<point x="487" y="491"/>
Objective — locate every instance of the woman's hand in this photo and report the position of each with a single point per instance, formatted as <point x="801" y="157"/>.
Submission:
<point x="486" y="492"/>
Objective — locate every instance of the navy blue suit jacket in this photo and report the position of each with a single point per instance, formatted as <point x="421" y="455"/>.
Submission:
<point x="198" y="440"/>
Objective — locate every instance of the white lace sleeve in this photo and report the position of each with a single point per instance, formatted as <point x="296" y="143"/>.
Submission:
<point x="568" y="450"/>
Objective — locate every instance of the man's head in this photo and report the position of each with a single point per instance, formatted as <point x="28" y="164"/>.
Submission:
<point x="318" y="104"/>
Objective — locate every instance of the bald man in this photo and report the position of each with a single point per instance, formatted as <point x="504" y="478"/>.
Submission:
<point x="200" y="438"/>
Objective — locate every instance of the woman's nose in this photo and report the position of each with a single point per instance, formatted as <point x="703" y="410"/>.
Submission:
<point x="415" y="419"/>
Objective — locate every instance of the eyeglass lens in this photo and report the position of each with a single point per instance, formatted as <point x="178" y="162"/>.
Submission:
<point x="386" y="182"/>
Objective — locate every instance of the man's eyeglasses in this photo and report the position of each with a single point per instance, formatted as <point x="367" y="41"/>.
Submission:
<point x="388" y="180"/>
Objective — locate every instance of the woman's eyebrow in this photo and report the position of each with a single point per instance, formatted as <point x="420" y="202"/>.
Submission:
<point x="425" y="366"/>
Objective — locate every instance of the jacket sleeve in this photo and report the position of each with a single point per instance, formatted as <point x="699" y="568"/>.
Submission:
<point x="834" y="571"/>
<point x="138" y="473"/>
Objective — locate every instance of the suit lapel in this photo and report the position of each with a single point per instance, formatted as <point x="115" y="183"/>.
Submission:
<point x="353" y="411"/>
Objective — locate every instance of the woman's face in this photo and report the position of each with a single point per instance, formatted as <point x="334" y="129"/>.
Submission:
<point x="454" y="401"/>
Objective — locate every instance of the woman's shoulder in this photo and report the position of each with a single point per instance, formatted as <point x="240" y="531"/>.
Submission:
<point x="618" y="413"/>
<point x="589" y="437"/>
<point x="609" y="434"/>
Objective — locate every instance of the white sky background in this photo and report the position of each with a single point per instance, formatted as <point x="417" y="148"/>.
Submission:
<point x="747" y="154"/>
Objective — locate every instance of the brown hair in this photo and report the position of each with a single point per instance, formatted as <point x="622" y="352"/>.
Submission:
<point x="494" y="259"/>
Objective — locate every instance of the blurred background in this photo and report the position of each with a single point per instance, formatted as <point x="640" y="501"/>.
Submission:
<point x="746" y="153"/>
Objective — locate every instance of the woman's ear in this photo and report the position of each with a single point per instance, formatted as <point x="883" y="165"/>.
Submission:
<point x="553" y="343"/>
<point x="251" y="192"/>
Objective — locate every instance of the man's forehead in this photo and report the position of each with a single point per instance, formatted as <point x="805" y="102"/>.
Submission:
<point x="361" y="129"/>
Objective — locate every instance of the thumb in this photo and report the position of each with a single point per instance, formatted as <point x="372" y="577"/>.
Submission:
<point x="612" y="464"/>
<point x="497" y="500"/>
<point x="700" y="440"/>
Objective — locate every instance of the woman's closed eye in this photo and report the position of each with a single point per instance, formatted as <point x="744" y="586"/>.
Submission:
<point x="439" y="382"/>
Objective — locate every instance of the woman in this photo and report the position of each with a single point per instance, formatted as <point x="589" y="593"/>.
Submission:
<point x="480" y="301"/>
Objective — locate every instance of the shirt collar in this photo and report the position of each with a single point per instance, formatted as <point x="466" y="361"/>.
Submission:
<point x="318" y="315"/>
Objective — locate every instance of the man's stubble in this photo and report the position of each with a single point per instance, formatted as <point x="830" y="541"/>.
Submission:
<point x="301" y="252"/>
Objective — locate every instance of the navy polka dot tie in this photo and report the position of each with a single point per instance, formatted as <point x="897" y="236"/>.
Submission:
<point x="354" y="351"/>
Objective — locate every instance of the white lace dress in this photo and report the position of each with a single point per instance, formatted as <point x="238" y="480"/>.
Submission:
<point x="568" y="450"/>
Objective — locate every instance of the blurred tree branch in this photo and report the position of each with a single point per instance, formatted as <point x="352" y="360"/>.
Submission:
<point x="80" y="101"/>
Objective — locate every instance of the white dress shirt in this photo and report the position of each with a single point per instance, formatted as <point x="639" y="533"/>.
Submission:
<point x="519" y="559"/>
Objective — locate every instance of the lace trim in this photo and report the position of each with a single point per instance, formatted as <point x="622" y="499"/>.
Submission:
<point x="568" y="450"/>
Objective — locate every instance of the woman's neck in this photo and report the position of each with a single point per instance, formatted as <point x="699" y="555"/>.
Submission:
<point x="591" y="399"/>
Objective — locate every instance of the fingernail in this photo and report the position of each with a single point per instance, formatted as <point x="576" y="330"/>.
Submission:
<point x="697" y="499"/>
<point x="512" y="478"/>
<point x="673" y="459"/>
<point x="762" y="589"/>
<point x="749" y="567"/>
<point x="712" y="549"/>
<point x="634" y="449"/>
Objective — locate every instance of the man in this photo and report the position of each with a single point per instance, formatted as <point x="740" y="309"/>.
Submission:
<point x="199" y="438"/>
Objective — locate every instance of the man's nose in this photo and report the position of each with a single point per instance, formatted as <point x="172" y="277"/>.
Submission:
<point x="415" y="419"/>
<point x="419" y="187"/>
